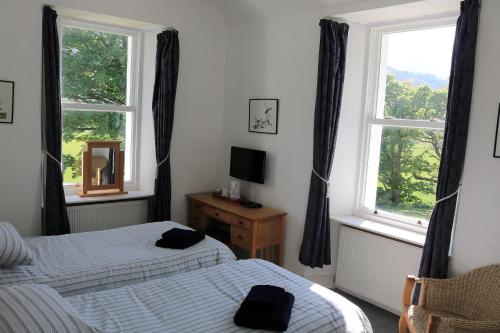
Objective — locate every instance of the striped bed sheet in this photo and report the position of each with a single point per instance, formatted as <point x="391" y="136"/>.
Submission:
<point x="83" y="262"/>
<point x="207" y="299"/>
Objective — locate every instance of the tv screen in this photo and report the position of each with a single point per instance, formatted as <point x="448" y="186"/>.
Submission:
<point x="248" y="164"/>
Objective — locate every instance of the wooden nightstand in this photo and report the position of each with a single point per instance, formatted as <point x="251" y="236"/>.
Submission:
<point x="258" y="231"/>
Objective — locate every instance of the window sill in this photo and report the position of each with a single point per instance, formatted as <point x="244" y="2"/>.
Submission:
<point x="75" y="200"/>
<point x="401" y="234"/>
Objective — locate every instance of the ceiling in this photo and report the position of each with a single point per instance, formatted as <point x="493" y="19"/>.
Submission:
<point x="243" y="11"/>
<point x="238" y="12"/>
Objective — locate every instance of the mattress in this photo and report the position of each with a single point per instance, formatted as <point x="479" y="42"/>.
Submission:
<point x="91" y="261"/>
<point x="207" y="299"/>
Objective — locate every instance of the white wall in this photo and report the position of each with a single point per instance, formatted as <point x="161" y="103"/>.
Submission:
<point x="20" y="35"/>
<point x="278" y="59"/>
<point x="478" y="223"/>
<point x="198" y="119"/>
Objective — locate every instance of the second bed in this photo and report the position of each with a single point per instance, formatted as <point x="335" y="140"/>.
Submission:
<point x="207" y="299"/>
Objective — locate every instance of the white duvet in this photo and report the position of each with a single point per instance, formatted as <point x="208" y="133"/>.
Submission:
<point x="83" y="262"/>
<point x="207" y="299"/>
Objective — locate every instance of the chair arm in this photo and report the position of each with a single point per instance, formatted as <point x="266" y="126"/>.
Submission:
<point x="443" y="294"/>
<point x="437" y="324"/>
<point x="408" y="288"/>
<point x="433" y="323"/>
<point x="473" y="326"/>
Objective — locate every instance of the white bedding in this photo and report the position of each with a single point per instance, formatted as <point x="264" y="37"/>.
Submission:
<point x="91" y="261"/>
<point x="207" y="299"/>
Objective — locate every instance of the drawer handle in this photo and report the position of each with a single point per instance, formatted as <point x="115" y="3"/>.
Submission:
<point x="216" y="214"/>
<point x="239" y="236"/>
<point x="240" y="222"/>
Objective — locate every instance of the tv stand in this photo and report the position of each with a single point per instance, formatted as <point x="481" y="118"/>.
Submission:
<point x="259" y="232"/>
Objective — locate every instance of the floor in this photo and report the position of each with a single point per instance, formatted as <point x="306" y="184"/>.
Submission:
<point x="382" y="321"/>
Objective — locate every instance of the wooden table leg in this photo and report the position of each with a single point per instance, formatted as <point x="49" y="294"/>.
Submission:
<point x="282" y="241"/>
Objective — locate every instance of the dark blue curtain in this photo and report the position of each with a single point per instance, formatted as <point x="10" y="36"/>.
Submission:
<point x="167" y="68"/>
<point x="54" y="215"/>
<point x="434" y="262"/>
<point x="315" y="248"/>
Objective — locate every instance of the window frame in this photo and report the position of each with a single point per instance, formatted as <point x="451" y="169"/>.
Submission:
<point x="373" y="97"/>
<point x="134" y="98"/>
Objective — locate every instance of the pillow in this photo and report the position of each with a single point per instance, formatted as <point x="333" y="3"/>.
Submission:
<point x="13" y="251"/>
<point x="36" y="308"/>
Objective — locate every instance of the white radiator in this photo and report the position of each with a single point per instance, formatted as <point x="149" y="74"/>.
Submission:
<point x="107" y="216"/>
<point x="374" y="268"/>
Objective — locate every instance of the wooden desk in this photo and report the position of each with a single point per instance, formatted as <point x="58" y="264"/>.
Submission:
<point x="260" y="231"/>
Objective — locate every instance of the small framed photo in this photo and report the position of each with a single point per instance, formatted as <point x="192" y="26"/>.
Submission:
<point x="6" y="102"/>
<point x="496" y="149"/>
<point x="263" y="116"/>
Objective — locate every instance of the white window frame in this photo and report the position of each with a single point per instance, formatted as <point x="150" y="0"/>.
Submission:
<point x="133" y="103"/>
<point x="373" y="103"/>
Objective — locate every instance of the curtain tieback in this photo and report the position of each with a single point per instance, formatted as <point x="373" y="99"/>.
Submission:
<point x="448" y="196"/>
<point x="456" y="193"/>
<point x="160" y="164"/>
<point x="325" y="181"/>
<point x="51" y="156"/>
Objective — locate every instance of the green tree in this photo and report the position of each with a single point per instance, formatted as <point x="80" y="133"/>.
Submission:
<point x="94" y="67"/>
<point x="409" y="158"/>
<point x="94" y="71"/>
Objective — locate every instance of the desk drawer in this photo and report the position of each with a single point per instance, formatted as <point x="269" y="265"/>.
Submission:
<point x="195" y="209"/>
<point x="241" y="237"/>
<point x="197" y="223"/>
<point x="196" y="218"/>
<point x="217" y="214"/>
<point x="242" y="223"/>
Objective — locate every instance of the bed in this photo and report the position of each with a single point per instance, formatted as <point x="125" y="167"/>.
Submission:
<point x="207" y="299"/>
<point x="83" y="262"/>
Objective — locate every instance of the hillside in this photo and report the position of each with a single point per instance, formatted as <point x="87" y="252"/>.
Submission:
<point x="418" y="79"/>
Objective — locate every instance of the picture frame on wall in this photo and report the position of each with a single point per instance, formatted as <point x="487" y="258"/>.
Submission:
<point x="6" y="102"/>
<point x="496" y="149"/>
<point x="263" y="115"/>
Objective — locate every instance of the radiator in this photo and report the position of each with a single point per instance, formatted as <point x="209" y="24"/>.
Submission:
<point x="374" y="268"/>
<point x="107" y="216"/>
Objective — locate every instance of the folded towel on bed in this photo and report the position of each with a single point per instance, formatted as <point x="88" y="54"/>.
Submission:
<point x="265" y="307"/>
<point x="179" y="238"/>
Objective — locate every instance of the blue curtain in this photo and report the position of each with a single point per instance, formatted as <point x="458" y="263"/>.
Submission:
<point x="434" y="262"/>
<point x="54" y="215"/>
<point x="167" y="68"/>
<point x="315" y="248"/>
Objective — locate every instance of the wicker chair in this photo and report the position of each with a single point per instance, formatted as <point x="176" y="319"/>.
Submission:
<point x="466" y="304"/>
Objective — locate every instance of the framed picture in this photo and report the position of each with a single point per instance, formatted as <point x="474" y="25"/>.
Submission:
<point x="496" y="150"/>
<point x="6" y="102"/>
<point x="263" y="116"/>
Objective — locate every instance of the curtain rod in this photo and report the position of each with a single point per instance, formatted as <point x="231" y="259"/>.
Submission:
<point x="337" y="19"/>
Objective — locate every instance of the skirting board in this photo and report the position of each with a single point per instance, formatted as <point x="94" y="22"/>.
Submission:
<point x="323" y="280"/>
<point x="380" y="305"/>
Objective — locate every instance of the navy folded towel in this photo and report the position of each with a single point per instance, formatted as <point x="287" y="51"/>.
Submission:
<point x="265" y="307"/>
<point x="179" y="238"/>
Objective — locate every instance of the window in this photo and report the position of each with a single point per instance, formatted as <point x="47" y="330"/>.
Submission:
<point x="405" y="117"/>
<point x="99" y="94"/>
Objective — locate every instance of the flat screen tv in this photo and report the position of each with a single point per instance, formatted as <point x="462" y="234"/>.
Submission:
<point x="248" y="164"/>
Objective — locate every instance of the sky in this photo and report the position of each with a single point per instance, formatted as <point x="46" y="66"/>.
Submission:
<point x="422" y="51"/>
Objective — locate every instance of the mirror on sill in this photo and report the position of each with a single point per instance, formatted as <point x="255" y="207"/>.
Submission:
<point x="103" y="169"/>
